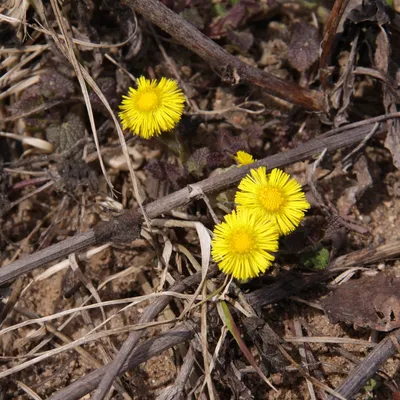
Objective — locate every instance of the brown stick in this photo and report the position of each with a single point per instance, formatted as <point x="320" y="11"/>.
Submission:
<point x="368" y="367"/>
<point x="229" y="67"/>
<point x="328" y="43"/>
<point x="179" y="198"/>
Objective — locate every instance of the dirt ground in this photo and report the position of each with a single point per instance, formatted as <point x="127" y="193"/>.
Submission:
<point x="53" y="186"/>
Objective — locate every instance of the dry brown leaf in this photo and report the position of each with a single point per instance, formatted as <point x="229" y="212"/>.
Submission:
<point x="369" y="302"/>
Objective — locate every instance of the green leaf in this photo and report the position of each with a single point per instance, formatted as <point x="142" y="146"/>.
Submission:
<point x="318" y="259"/>
<point x="219" y="10"/>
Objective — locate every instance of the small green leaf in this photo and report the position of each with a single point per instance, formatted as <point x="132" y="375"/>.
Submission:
<point x="219" y="10"/>
<point x="318" y="259"/>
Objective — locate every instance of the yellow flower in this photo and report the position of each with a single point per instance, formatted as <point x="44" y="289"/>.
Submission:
<point x="280" y="198"/>
<point x="243" y="158"/>
<point x="152" y="108"/>
<point x="243" y="243"/>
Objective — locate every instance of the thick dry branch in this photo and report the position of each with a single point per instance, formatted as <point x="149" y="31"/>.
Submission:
<point x="229" y="67"/>
<point x="112" y="230"/>
<point x="367" y="256"/>
<point x="51" y="253"/>
<point x="330" y="36"/>
<point x="368" y="367"/>
<point x="144" y="352"/>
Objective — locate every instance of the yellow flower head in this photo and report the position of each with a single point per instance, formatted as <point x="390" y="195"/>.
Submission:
<point x="243" y="158"/>
<point x="243" y="243"/>
<point x="280" y="198"/>
<point x="152" y="108"/>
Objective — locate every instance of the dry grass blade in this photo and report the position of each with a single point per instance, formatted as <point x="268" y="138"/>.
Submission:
<point x="239" y="107"/>
<point x="8" y="76"/>
<point x="37" y="143"/>
<point x="89" y="286"/>
<point x="303" y="356"/>
<point x="33" y="193"/>
<point x="220" y="342"/>
<point x="204" y="345"/>
<point x="66" y="263"/>
<point x="205" y="246"/>
<point x="79" y="342"/>
<point x="131" y="300"/>
<point x="20" y="86"/>
<point x="328" y="339"/>
<point x="28" y="391"/>
<point x="86" y="356"/>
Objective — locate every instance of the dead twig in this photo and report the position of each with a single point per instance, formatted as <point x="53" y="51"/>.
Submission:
<point x="368" y="367"/>
<point x="328" y="43"/>
<point x="229" y="67"/>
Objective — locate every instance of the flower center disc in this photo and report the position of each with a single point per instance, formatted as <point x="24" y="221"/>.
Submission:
<point x="147" y="101"/>
<point x="271" y="199"/>
<point x="242" y="242"/>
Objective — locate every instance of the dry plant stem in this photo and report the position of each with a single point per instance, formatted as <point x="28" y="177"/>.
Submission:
<point x="181" y="197"/>
<point x="230" y="177"/>
<point x="117" y="366"/>
<point x="368" y="367"/>
<point x="328" y="43"/>
<point x="151" y="348"/>
<point x="58" y="250"/>
<point x="302" y="352"/>
<point x="229" y="67"/>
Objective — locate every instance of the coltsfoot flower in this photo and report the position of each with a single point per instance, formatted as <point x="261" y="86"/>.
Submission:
<point x="275" y="195"/>
<point x="243" y="243"/>
<point x="243" y="158"/>
<point x="152" y="108"/>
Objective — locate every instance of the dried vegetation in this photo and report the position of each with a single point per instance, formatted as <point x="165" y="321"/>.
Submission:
<point x="106" y="281"/>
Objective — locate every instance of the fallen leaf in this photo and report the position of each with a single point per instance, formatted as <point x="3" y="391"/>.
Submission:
<point x="235" y="17"/>
<point x="369" y="302"/>
<point x="303" y="49"/>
